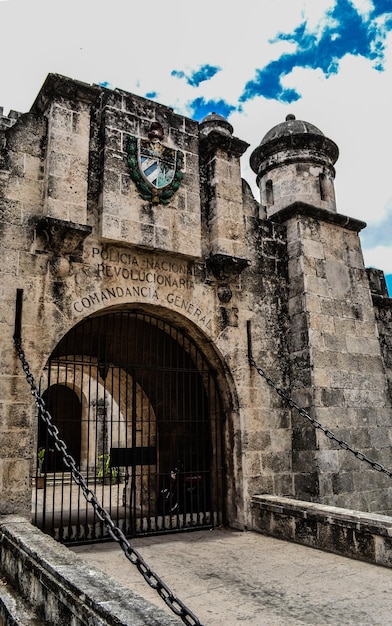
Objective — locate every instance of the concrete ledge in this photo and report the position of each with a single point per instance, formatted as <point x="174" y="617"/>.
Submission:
<point x="363" y="536"/>
<point x="61" y="588"/>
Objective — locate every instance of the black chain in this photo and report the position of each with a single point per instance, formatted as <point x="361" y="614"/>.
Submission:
<point x="328" y="433"/>
<point x="176" y="605"/>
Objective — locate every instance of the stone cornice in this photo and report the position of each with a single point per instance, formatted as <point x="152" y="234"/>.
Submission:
<point x="62" y="237"/>
<point x="324" y="148"/>
<point x="307" y="210"/>
<point x="224" y="266"/>
<point x="215" y="139"/>
<point x="56" y="86"/>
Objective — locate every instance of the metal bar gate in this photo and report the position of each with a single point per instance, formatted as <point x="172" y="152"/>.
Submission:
<point x="139" y="409"/>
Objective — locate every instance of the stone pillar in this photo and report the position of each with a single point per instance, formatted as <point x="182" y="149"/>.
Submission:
<point x="336" y="366"/>
<point x="67" y="148"/>
<point x="20" y="197"/>
<point x="220" y="154"/>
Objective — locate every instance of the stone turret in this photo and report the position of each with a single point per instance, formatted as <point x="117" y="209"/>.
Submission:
<point x="336" y="367"/>
<point x="220" y="154"/>
<point x="295" y="163"/>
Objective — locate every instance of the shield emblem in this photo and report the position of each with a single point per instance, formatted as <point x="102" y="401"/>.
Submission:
<point x="154" y="167"/>
<point x="157" y="163"/>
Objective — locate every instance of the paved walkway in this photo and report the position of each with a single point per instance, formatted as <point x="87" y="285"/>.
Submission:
<point x="228" y="578"/>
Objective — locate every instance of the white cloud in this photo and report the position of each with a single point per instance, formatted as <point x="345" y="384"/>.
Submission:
<point x="379" y="257"/>
<point x="364" y="7"/>
<point x="134" y="46"/>
<point x="353" y="109"/>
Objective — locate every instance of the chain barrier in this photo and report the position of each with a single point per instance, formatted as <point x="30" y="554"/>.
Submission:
<point x="328" y="433"/>
<point x="155" y="582"/>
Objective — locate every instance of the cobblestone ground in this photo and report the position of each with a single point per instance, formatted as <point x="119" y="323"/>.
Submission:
<point x="228" y="577"/>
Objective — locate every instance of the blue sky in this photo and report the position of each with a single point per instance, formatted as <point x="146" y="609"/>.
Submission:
<point x="326" y="61"/>
<point x="345" y="31"/>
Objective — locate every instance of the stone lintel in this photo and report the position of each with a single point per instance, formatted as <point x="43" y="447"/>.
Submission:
<point x="62" y="237"/>
<point x="215" y="139"/>
<point x="307" y="210"/>
<point x="224" y="266"/>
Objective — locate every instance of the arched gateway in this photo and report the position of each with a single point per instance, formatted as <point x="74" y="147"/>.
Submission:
<point x="138" y="407"/>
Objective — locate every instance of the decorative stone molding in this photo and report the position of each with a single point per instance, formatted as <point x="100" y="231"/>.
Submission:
<point x="225" y="267"/>
<point x="217" y="140"/>
<point x="62" y="238"/>
<point x="301" y="208"/>
<point x="224" y="293"/>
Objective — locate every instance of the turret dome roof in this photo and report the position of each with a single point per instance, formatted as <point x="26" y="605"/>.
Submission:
<point x="294" y="136"/>
<point x="291" y="126"/>
<point x="215" y="121"/>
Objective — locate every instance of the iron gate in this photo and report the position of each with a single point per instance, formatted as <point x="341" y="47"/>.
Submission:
<point x="138" y="406"/>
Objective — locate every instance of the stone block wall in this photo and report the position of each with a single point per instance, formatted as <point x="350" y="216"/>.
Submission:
<point x="354" y="534"/>
<point x="267" y="437"/>
<point x="124" y="216"/>
<point x="336" y="366"/>
<point x="67" y="161"/>
<point x="21" y="190"/>
<point x="306" y="182"/>
<point x="383" y="313"/>
<point x="8" y="120"/>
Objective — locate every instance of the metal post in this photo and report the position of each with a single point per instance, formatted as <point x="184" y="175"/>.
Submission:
<point x="18" y="316"/>
<point x="248" y="330"/>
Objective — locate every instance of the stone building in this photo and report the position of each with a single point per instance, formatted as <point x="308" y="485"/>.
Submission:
<point x="143" y="273"/>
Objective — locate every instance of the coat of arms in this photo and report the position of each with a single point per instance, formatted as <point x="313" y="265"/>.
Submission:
<point x="154" y="167"/>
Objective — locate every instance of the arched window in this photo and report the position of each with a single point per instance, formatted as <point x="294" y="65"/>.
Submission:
<point x="269" y="192"/>
<point x="323" y="186"/>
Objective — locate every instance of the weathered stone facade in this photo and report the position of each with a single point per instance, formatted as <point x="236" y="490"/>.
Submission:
<point x="80" y="234"/>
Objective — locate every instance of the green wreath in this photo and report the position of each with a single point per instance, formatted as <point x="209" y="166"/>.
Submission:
<point x="155" y="196"/>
